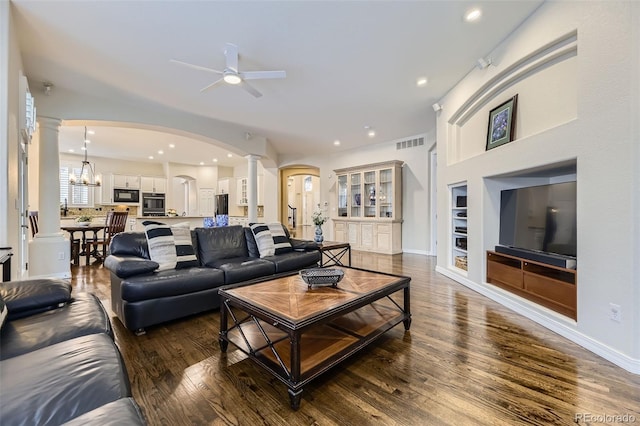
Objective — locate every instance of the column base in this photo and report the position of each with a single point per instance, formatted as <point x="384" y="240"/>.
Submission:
<point x="49" y="257"/>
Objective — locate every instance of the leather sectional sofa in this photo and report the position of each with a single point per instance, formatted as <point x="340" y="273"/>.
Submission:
<point x="59" y="363"/>
<point x="142" y="296"/>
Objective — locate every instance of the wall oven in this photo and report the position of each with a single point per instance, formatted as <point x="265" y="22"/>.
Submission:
<point x="153" y="204"/>
<point x="130" y="196"/>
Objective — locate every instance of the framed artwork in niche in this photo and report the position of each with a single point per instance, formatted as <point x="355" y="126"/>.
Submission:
<point x="502" y="123"/>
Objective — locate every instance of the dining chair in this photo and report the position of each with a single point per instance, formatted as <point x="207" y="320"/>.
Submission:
<point x="33" y="222"/>
<point x="116" y="222"/>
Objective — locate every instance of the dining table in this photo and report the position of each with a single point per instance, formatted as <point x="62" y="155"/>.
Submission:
<point x="84" y="229"/>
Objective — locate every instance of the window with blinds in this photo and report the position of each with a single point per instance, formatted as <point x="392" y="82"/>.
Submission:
<point x="79" y="196"/>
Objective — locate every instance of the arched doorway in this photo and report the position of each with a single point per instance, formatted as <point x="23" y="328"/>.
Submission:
<point x="299" y="196"/>
<point x="184" y="197"/>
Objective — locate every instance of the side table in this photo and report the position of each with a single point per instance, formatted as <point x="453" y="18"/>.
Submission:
<point x="5" y="261"/>
<point x="334" y="252"/>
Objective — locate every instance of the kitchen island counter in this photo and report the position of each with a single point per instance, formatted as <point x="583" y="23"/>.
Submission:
<point x="194" y="221"/>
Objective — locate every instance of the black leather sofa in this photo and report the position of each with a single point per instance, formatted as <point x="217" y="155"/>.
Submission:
<point x="59" y="363"/>
<point x="142" y="296"/>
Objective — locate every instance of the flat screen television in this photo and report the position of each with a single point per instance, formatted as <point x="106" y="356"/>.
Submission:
<point x="540" y="218"/>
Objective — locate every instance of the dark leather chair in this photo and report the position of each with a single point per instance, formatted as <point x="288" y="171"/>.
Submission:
<point x="116" y="223"/>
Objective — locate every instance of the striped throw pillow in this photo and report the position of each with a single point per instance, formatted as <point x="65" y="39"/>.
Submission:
<point x="264" y="240"/>
<point x="186" y="255"/>
<point x="162" y="247"/>
<point x="280" y="239"/>
<point x="271" y="238"/>
<point x="3" y="312"/>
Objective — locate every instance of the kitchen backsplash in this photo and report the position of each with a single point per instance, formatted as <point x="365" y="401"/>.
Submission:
<point x="98" y="211"/>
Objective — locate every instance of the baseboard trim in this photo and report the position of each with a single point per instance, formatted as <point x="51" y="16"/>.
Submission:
<point x="60" y="275"/>
<point x="555" y="322"/>
<point x="422" y="252"/>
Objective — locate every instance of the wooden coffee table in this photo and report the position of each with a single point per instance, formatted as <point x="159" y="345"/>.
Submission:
<point x="297" y="333"/>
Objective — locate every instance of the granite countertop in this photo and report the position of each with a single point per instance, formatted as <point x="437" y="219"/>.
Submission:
<point x="182" y="217"/>
<point x="74" y="217"/>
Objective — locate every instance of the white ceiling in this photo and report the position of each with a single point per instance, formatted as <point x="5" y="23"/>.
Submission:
<point x="349" y="64"/>
<point x="140" y="144"/>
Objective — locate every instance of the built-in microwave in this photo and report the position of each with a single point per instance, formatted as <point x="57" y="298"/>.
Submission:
<point x="126" y="195"/>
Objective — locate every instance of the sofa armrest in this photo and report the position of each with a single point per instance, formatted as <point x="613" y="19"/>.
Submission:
<point x="28" y="297"/>
<point x="127" y="266"/>
<point x="303" y="245"/>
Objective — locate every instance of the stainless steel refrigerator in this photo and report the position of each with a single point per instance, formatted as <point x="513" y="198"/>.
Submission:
<point x="222" y="204"/>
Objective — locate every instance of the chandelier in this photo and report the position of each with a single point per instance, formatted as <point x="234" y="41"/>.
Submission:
<point x="87" y="173"/>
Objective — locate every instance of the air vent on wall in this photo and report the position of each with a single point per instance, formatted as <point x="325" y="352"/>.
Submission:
<point x="410" y="143"/>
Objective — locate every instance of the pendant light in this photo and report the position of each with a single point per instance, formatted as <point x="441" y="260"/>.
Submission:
<point x="87" y="173"/>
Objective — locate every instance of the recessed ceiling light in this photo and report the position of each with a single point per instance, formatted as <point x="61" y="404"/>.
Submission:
<point x="472" y="15"/>
<point x="91" y="132"/>
<point x="215" y="160"/>
<point x="336" y="142"/>
<point x="84" y="148"/>
<point x="202" y="163"/>
<point x="151" y="157"/>
<point x="87" y="141"/>
<point x="422" y="81"/>
<point x="161" y="152"/>
<point x="171" y="145"/>
<point x="71" y="150"/>
<point x="370" y="132"/>
<point x="229" y="155"/>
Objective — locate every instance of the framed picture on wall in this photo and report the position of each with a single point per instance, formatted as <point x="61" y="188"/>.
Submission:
<point x="502" y="123"/>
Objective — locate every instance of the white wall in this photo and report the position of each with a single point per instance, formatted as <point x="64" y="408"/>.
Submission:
<point x="10" y="72"/>
<point x="590" y="117"/>
<point x="416" y="228"/>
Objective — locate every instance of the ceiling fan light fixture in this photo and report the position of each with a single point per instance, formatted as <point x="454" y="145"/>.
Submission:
<point x="231" y="78"/>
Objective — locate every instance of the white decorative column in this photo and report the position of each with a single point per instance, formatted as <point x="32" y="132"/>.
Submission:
<point x="49" y="251"/>
<point x="252" y="187"/>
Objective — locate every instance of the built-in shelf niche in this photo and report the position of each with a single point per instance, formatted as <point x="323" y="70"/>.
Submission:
<point x="558" y="286"/>
<point x="548" y="72"/>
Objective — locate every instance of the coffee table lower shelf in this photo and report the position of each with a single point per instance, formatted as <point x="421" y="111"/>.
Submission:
<point x="320" y="347"/>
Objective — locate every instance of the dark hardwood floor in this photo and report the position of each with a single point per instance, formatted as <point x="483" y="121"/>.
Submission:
<point x="465" y="361"/>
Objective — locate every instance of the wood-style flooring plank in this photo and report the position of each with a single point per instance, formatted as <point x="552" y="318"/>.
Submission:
<point x="466" y="361"/>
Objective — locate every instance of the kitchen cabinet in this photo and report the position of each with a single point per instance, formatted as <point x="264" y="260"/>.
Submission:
<point x="369" y="207"/>
<point x="106" y="189"/>
<point x="242" y="197"/>
<point x="126" y="181"/>
<point x="223" y="186"/>
<point x="153" y="184"/>
<point x="242" y="194"/>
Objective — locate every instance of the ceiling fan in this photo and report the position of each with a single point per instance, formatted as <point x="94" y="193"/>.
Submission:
<point x="231" y="74"/>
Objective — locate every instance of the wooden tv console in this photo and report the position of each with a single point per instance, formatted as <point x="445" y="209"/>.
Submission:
<point x="550" y="286"/>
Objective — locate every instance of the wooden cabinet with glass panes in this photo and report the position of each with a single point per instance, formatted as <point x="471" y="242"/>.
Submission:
<point x="369" y="207"/>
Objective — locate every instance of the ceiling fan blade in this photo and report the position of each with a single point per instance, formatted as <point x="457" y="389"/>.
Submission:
<point x="249" y="88"/>
<point x="255" y="75"/>
<point x="231" y="54"/>
<point x="212" y="85"/>
<point x="197" y="67"/>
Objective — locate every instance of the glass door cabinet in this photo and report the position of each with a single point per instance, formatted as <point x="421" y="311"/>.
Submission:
<point x="369" y="207"/>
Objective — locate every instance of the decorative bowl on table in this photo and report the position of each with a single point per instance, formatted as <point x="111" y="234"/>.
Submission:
<point x="321" y="277"/>
<point x="83" y="220"/>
